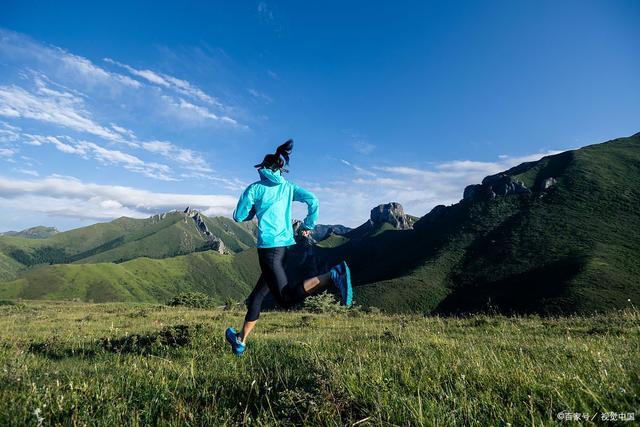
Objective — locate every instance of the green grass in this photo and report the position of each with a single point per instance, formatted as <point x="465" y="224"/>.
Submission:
<point x="114" y="364"/>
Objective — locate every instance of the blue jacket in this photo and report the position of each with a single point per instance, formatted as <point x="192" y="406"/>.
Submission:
<point x="270" y="200"/>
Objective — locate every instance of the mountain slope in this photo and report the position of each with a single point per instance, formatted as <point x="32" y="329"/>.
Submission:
<point x="140" y="280"/>
<point x="571" y="247"/>
<point x="38" y="232"/>
<point x="160" y="236"/>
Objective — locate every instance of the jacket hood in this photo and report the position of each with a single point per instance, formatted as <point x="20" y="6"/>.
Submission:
<point x="273" y="176"/>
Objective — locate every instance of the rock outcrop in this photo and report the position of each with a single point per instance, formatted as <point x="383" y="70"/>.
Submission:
<point x="320" y="232"/>
<point x="214" y="242"/>
<point x="501" y="185"/>
<point x="391" y="213"/>
<point x="549" y="182"/>
<point x="494" y="186"/>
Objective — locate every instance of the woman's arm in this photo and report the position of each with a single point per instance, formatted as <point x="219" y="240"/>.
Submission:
<point x="302" y="195"/>
<point x="245" y="210"/>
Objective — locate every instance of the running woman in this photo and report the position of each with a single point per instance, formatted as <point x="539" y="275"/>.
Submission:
<point x="270" y="200"/>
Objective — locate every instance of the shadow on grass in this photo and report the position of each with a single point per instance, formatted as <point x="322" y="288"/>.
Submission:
<point x="541" y="290"/>
<point x="144" y="344"/>
<point x="282" y="385"/>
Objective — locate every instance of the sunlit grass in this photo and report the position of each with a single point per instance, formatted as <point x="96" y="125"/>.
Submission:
<point x="309" y="368"/>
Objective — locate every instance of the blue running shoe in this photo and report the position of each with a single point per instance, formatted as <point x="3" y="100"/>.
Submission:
<point x="341" y="277"/>
<point x="236" y="345"/>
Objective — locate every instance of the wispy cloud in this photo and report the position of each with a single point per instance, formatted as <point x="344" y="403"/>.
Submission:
<point x="349" y="199"/>
<point x="360" y="170"/>
<point x="8" y="133"/>
<point x="70" y="197"/>
<point x="91" y="81"/>
<point x="27" y="172"/>
<point x="187" y="158"/>
<point x="6" y="152"/>
<point x="167" y="81"/>
<point x="363" y="147"/>
<point x="60" y="63"/>
<point x="69" y="112"/>
<point x="195" y="113"/>
<point x="48" y="105"/>
<point x="260" y="96"/>
<point x="105" y="156"/>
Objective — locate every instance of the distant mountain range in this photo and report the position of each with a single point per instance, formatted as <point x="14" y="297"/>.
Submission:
<point x="39" y="232"/>
<point x="130" y="259"/>
<point x="557" y="235"/>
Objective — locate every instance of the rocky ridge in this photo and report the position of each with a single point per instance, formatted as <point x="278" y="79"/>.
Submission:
<point x="215" y="242"/>
<point x="390" y="213"/>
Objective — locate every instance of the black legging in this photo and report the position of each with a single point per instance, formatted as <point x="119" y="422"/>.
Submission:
<point x="273" y="279"/>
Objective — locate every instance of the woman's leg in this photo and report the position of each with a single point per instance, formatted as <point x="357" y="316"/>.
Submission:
<point x="254" y="305"/>
<point x="286" y="293"/>
<point x="274" y="279"/>
<point x="272" y="266"/>
<point x="317" y="283"/>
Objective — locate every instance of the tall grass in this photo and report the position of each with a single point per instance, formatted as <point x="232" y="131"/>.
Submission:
<point x="112" y="364"/>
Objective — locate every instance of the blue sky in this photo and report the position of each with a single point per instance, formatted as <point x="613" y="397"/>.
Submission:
<point x="132" y="109"/>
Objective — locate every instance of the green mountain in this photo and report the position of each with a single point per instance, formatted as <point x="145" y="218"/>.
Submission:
<point x="559" y="235"/>
<point x="39" y="232"/>
<point x="160" y="236"/>
<point x="140" y="280"/>
<point x="556" y="235"/>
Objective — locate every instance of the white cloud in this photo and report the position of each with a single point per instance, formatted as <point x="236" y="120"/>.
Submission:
<point x="91" y="71"/>
<point x="27" y="172"/>
<point x="195" y="113"/>
<point x="358" y="169"/>
<point x="70" y="197"/>
<point x="123" y="131"/>
<point x="233" y="184"/>
<point x="6" y="152"/>
<point x="261" y="96"/>
<point x="51" y="106"/>
<point x="67" y="148"/>
<point x="188" y="159"/>
<point x="106" y="156"/>
<point x="60" y="62"/>
<point x="127" y="161"/>
<point x="167" y="81"/>
<point x="349" y="201"/>
<point x="8" y="133"/>
<point x="27" y="55"/>
<point x="363" y="147"/>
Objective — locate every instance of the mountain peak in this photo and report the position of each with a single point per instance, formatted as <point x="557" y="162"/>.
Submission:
<point x="391" y="213"/>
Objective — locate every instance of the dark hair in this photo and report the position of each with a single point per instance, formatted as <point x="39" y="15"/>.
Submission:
<point x="279" y="159"/>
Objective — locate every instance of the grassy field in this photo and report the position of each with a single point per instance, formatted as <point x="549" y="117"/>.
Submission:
<point x="111" y="364"/>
